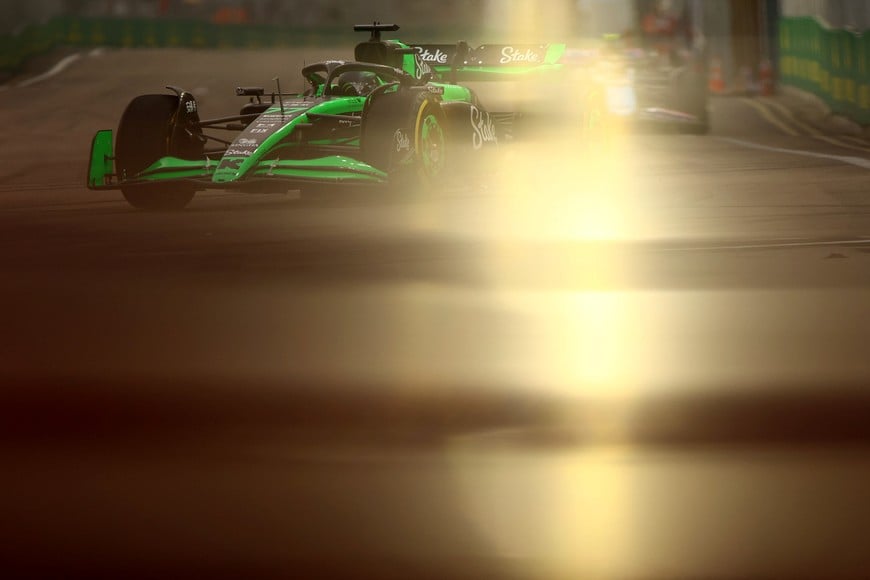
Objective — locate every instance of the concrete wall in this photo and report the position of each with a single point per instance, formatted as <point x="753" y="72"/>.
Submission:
<point x="16" y="15"/>
<point x="417" y="13"/>
<point x="717" y="28"/>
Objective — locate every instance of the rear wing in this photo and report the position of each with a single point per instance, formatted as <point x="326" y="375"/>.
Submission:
<point x="456" y="62"/>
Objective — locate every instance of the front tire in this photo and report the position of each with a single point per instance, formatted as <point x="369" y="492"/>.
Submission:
<point x="405" y="135"/>
<point x="144" y="136"/>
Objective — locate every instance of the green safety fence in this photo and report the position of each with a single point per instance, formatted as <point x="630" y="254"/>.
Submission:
<point x="832" y="64"/>
<point x="153" y="33"/>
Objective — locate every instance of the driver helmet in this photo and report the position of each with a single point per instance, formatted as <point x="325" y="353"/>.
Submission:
<point x="357" y="82"/>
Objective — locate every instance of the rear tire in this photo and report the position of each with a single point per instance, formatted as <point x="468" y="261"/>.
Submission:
<point x="144" y="136"/>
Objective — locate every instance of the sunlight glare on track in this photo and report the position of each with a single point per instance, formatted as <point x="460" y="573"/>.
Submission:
<point x="566" y="185"/>
<point x="574" y="189"/>
<point x="570" y="200"/>
<point x="564" y="514"/>
<point x="584" y="343"/>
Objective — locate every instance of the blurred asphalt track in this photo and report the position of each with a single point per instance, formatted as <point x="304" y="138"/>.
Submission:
<point x="659" y="372"/>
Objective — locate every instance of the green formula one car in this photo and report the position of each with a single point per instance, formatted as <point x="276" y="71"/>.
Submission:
<point x="392" y="118"/>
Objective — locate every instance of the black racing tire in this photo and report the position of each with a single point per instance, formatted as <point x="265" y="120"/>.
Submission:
<point x="420" y="164"/>
<point x="699" y="108"/>
<point x="702" y="128"/>
<point x="695" y="96"/>
<point x="144" y="136"/>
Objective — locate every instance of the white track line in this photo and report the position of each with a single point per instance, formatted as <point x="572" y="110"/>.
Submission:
<point x="791" y="117"/>
<point x="855" y="140"/>
<point x="769" y="116"/>
<point x="856" y="161"/>
<point x="844" y="145"/>
<point x="836" y="141"/>
<point x="772" y="246"/>
<point x="55" y="70"/>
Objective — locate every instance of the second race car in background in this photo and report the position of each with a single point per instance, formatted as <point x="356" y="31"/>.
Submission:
<point x="642" y="87"/>
<point x="651" y="65"/>
<point x="631" y="66"/>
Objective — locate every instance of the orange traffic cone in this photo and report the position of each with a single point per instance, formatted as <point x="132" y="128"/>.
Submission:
<point x="765" y="78"/>
<point x="717" y="81"/>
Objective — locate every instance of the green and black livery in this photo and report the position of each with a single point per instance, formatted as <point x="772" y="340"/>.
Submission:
<point x="388" y="119"/>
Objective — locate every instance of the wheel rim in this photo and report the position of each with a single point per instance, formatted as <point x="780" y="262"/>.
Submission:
<point x="431" y="146"/>
<point x="594" y="115"/>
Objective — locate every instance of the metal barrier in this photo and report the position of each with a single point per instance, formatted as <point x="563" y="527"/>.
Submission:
<point x="154" y="33"/>
<point x="832" y="64"/>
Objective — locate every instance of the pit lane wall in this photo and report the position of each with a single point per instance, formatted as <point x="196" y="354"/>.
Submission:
<point x="828" y="62"/>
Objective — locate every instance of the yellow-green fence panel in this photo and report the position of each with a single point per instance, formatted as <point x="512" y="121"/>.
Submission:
<point x="832" y="64"/>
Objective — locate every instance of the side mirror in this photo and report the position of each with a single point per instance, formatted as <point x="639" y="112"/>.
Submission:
<point x="250" y="91"/>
